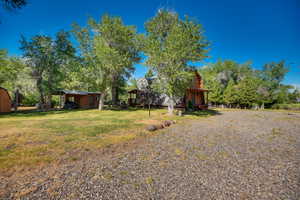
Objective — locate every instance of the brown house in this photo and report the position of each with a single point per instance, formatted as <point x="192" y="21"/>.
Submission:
<point x="5" y="101"/>
<point x="196" y="96"/>
<point x="80" y="98"/>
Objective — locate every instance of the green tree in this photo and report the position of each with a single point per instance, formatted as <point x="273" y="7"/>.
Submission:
<point x="116" y="45"/>
<point x="247" y="91"/>
<point x="170" y="44"/>
<point x="10" y="69"/>
<point x="273" y="74"/>
<point x="216" y="92"/>
<point x="231" y="93"/>
<point x="108" y="50"/>
<point x="47" y="59"/>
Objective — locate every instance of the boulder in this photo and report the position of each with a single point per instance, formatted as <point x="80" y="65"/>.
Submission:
<point x="167" y="123"/>
<point x="151" y="128"/>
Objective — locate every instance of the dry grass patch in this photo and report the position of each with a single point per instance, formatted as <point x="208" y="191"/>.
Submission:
<point x="33" y="138"/>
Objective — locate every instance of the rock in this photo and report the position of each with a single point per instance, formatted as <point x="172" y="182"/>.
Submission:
<point x="151" y="128"/>
<point x="167" y="123"/>
<point x="155" y="127"/>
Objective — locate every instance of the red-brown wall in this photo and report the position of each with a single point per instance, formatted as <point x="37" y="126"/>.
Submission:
<point x="84" y="100"/>
<point x="5" y="101"/>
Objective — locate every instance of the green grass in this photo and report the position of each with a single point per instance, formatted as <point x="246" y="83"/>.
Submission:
<point x="287" y="106"/>
<point x="31" y="138"/>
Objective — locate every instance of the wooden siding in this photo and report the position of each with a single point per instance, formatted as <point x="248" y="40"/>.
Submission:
<point x="195" y="93"/>
<point x="5" y="101"/>
<point x="85" y="101"/>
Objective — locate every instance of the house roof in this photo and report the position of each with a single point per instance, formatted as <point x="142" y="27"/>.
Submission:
<point x="74" y="92"/>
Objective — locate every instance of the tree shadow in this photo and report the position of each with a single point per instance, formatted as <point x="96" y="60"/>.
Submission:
<point x="37" y="113"/>
<point x="202" y="113"/>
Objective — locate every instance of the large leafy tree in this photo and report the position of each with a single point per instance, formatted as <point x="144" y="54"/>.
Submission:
<point x="273" y="74"/>
<point x="15" y="75"/>
<point x="170" y="45"/>
<point x="48" y="58"/>
<point x="109" y="49"/>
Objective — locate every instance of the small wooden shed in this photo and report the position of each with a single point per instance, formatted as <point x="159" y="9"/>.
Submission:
<point x="5" y="101"/>
<point x="81" y="98"/>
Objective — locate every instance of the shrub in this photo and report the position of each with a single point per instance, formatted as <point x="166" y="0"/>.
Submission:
<point x="30" y="100"/>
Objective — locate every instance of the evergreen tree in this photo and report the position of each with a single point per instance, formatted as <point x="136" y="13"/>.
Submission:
<point x="247" y="91"/>
<point x="231" y="94"/>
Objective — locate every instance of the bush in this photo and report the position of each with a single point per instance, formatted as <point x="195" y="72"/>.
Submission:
<point x="30" y="100"/>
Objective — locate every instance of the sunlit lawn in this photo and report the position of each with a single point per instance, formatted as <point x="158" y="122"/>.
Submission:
<point x="39" y="137"/>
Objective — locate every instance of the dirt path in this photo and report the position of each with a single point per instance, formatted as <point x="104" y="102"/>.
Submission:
<point x="234" y="155"/>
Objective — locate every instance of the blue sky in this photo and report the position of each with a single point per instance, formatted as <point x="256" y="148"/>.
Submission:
<point x="260" y="31"/>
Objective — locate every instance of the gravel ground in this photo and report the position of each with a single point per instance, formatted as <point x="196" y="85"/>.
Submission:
<point x="234" y="155"/>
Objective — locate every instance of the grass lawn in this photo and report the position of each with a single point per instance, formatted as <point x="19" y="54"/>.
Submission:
<point x="32" y="138"/>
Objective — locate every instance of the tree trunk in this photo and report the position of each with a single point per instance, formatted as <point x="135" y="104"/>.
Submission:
<point x="16" y="103"/>
<point x="101" y="101"/>
<point x="171" y="106"/>
<point x="114" y="91"/>
<point x="40" y="89"/>
<point x="48" y="102"/>
<point x="114" y="95"/>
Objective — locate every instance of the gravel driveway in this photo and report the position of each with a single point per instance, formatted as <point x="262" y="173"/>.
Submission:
<point x="233" y="155"/>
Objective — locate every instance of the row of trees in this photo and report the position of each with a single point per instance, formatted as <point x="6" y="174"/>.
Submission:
<point x="240" y="85"/>
<point x="104" y="53"/>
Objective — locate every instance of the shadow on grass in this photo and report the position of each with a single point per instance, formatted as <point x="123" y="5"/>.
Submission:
<point x="203" y="113"/>
<point x="36" y="113"/>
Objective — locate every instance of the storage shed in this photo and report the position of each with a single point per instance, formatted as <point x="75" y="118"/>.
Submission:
<point x="5" y="101"/>
<point x="81" y="98"/>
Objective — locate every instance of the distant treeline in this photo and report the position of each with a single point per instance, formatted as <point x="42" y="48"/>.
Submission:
<point x="240" y="85"/>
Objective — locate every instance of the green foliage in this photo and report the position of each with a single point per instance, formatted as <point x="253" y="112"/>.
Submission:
<point x="10" y="67"/>
<point x="30" y="99"/>
<point x="149" y="74"/>
<point x="231" y="94"/>
<point x="48" y="58"/>
<point x="216" y="92"/>
<point x="108" y="50"/>
<point x="247" y="91"/>
<point x="239" y="84"/>
<point x="170" y="44"/>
